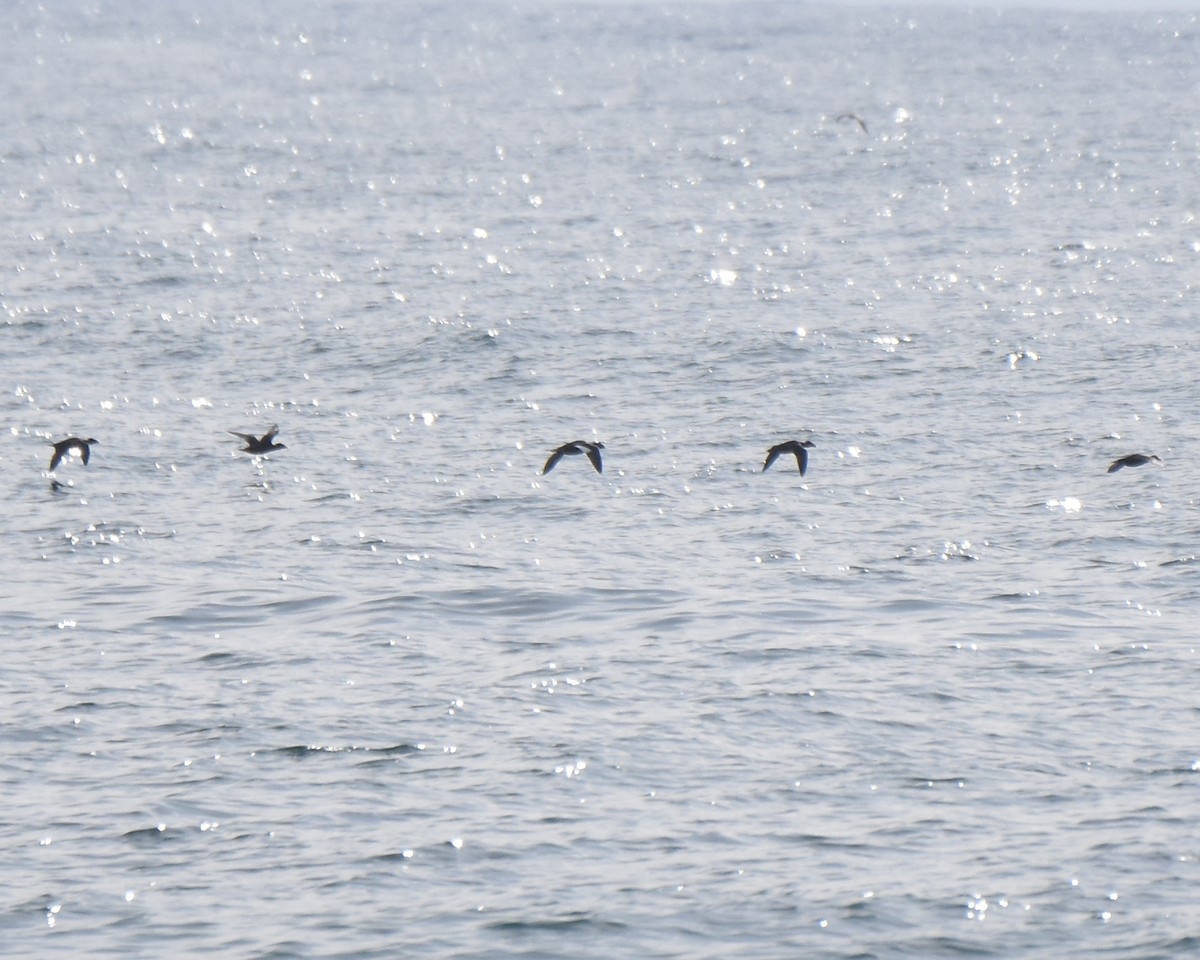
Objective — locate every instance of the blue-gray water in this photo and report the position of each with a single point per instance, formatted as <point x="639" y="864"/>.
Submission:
<point x="392" y="693"/>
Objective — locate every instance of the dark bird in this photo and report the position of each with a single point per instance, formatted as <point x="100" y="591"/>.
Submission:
<point x="856" y="118"/>
<point x="575" y="448"/>
<point x="63" y="447"/>
<point x="260" y="445"/>
<point x="799" y="447"/>
<point x="1133" y="460"/>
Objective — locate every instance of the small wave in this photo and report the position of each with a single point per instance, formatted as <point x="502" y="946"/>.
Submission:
<point x="304" y="751"/>
<point x="576" y="924"/>
<point x="148" y="835"/>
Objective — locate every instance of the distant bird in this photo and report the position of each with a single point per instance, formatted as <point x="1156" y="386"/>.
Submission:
<point x="575" y="448"/>
<point x="259" y="445"/>
<point x="63" y="447"/>
<point x="799" y="447"/>
<point x="1133" y="460"/>
<point x="856" y="118"/>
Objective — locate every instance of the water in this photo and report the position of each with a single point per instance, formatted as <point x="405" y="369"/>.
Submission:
<point x="389" y="692"/>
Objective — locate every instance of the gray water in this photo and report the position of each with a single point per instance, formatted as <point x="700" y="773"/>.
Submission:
<point x="391" y="692"/>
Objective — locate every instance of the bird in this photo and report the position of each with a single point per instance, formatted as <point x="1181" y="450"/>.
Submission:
<point x="63" y="447"/>
<point x="259" y="445"/>
<point x="574" y="448"/>
<point x="856" y="118"/>
<point x="1133" y="460"/>
<point x="799" y="447"/>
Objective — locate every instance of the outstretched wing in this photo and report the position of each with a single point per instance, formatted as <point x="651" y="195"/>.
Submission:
<point x="85" y="452"/>
<point x="56" y="459"/>
<point x="593" y="454"/>
<point x="772" y="456"/>
<point x="244" y="437"/>
<point x="269" y="436"/>
<point x="801" y="458"/>
<point x="856" y="118"/>
<point x="554" y="458"/>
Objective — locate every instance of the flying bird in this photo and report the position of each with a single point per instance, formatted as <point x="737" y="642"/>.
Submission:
<point x="1133" y="460"/>
<point x="575" y="448"/>
<point x="63" y="447"/>
<point x="856" y="118"/>
<point x="260" y="445"/>
<point x="799" y="447"/>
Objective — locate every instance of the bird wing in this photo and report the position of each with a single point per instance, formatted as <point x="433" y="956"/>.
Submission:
<point x="1117" y="465"/>
<point x="593" y="454"/>
<point x="56" y="459"/>
<point x="245" y="437"/>
<point x="801" y="458"/>
<point x="269" y="436"/>
<point x="856" y="118"/>
<point x="85" y="452"/>
<point x="554" y="458"/>
<point x="772" y="456"/>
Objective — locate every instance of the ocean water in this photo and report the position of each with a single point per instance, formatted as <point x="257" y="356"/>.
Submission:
<point x="391" y="692"/>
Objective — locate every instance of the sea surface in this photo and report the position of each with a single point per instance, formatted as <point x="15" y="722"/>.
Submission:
<point x="390" y="691"/>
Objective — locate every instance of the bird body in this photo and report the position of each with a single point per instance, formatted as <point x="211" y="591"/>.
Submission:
<point x="63" y="447"/>
<point x="1134" y="460"/>
<point x="799" y="447"/>
<point x="260" y="445"/>
<point x="574" y="448"/>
